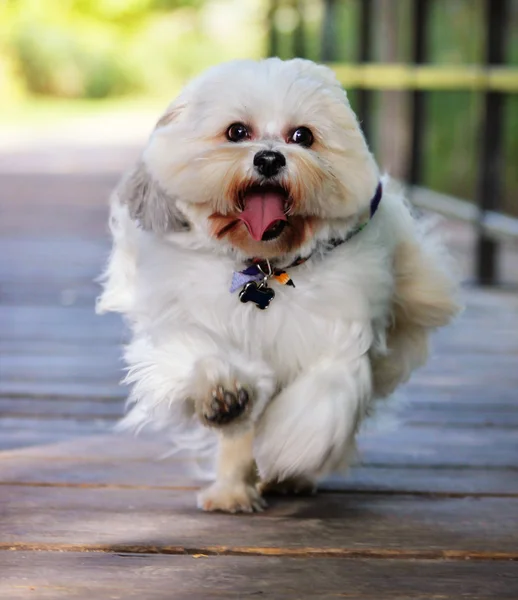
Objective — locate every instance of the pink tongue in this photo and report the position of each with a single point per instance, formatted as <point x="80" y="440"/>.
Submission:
<point x="261" y="211"/>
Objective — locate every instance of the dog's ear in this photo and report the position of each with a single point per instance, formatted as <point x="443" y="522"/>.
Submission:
<point x="149" y="204"/>
<point x="173" y="111"/>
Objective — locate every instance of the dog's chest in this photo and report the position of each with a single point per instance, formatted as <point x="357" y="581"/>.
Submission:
<point x="299" y="325"/>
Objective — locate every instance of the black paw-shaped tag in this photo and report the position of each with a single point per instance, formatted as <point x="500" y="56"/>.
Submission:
<point x="260" y="295"/>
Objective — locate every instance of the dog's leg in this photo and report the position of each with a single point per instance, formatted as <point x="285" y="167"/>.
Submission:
<point x="298" y="486"/>
<point x="234" y="489"/>
<point x="308" y="430"/>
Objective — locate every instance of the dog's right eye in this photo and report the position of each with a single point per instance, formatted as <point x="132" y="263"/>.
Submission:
<point x="237" y="132"/>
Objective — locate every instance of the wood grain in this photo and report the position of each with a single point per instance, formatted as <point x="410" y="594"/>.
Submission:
<point x="120" y="460"/>
<point x="162" y="518"/>
<point x="45" y="575"/>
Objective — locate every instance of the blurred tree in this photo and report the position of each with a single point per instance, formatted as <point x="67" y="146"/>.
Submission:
<point x="329" y="31"/>
<point x="100" y="48"/>
<point x="393" y="112"/>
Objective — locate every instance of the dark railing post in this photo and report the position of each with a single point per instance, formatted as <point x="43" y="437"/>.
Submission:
<point x="364" y="55"/>
<point x="299" y="35"/>
<point x="328" y="51"/>
<point x="419" y="56"/>
<point x="273" y="34"/>
<point x="489" y="190"/>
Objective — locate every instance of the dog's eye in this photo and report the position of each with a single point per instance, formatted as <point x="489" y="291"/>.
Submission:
<point x="237" y="132"/>
<point x="301" y="136"/>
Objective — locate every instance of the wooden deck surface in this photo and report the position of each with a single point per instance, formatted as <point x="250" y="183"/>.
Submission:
<point x="430" y="512"/>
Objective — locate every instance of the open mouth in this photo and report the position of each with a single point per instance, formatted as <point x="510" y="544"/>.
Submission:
<point x="264" y="211"/>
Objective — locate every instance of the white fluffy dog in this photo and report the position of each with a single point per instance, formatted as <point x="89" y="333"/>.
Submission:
<point x="274" y="285"/>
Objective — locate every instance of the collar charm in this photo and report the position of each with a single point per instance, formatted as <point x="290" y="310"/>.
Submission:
<point x="255" y="280"/>
<point x="260" y="294"/>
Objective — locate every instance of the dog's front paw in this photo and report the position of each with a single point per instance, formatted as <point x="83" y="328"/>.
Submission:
<point x="231" y="497"/>
<point x="224" y="405"/>
<point x="230" y="393"/>
<point x="223" y="396"/>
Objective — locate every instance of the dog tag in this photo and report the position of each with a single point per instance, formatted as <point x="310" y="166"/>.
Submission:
<point x="261" y="295"/>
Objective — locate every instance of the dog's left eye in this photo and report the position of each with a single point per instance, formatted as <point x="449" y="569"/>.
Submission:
<point x="301" y="136"/>
<point x="237" y="132"/>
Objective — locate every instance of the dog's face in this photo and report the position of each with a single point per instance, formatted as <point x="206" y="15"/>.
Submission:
<point x="259" y="155"/>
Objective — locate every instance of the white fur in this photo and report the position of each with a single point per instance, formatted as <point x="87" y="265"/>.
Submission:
<point x="354" y="326"/>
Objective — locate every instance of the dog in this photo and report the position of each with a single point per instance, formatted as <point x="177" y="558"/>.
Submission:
<point x="276" y="286"/>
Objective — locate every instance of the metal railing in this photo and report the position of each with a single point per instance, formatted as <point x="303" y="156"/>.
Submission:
<point x="493" y="79"/>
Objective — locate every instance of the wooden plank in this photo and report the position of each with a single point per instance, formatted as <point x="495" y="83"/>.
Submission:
<point x="68" y="390"/>
<point x="434" y="414"/>
<point x="14" y="440"/>
<point x="418" y="448"/>
<point x="62" y="409"/>
<point x="145" y="521"/>
<point x="65" y="425"/>
<point x="99" y="448"/>
<point x="426" y="480"/>
<point x="122" y="460"/>
<point x="77" y="324"/>
<point x="479" y="368"/>
<point x="171" y="473"/>
<point x="90" y="367"/>
<point x="73" y="203"/>
<point x="443" y="399"/>
<point x="443" y="395"/>
<point x="436" y="446"/>
<point x="409" y="446"/>
<point x="466" y="386"/>
<point x="448" y="363"/>
<point x="66" y="293"/>
<point x="19" y="433"/>
<point x="60" y="259"/>
<point x="461" y="391"/>
<point x="59" y="348"/>
<point x="49" y="575"/>
<point x="498" y="378"/>
<point x="502" y="416"/>
<point x="60" y="470"/>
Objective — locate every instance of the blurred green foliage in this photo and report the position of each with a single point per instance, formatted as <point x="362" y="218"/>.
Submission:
<point x="102" y="48"/>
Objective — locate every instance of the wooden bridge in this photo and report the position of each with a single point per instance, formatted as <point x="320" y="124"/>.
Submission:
<point x="431" y="511"/>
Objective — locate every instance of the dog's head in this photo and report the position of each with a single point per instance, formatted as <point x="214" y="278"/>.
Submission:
<point x="258" y="155"/>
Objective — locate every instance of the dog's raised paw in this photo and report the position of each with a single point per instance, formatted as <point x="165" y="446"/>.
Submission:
<point x="224" y="405"/>
<point x="231" y="498"/>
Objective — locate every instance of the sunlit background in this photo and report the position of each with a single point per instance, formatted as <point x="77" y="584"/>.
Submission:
<point x="68" y="59"/>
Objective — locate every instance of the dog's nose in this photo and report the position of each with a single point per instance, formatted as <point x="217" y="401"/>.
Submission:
<point x="269" y="163"/>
